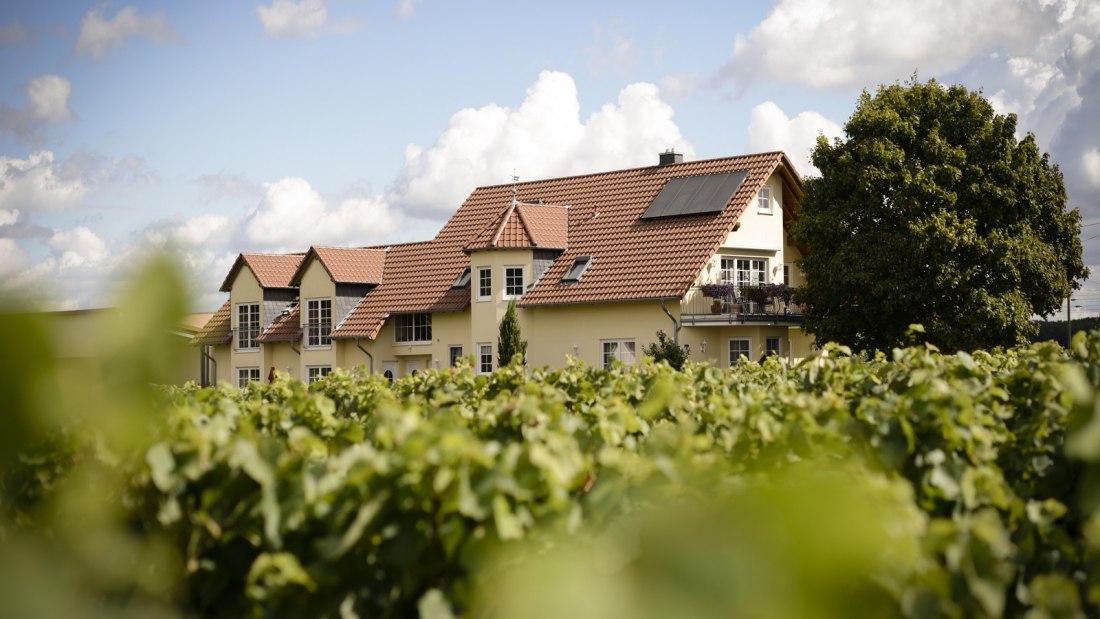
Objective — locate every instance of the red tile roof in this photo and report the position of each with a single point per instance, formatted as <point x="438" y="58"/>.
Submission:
<point x="346" y="265"/>
<point x="287" y="327"/>
<point x="217" y="330"/>
<point x="634" y="259"/>
<point x="271" y="270"/>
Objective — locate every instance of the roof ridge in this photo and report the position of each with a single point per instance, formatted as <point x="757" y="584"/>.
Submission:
<point x="633" y="169"/>
<point x="526" y="227"/>
<point x="503" y="223"/>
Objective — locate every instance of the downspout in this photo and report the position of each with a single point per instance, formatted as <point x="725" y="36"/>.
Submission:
<point x="675" y="323"/>
<point x="369" y="356"/>
<point x="206" y="353"/>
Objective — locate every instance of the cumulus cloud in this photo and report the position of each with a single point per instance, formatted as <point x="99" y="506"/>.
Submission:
<point x="77" y="247"/>
<point x="47" y="101"/>
<point x="293" y="213"/>
<point x="8" y="217"/>
<point x="859" y="43"/>
<point x="37" y="183"/>
<point x="771" y="129"/>
<point x="98" y="34"/>
<point x="543" y="137"/>
<point x="680" y="84"/>
<point x="287" y="18"/>
<point x="1090" y="161"/>
<point x="12" y="258"/>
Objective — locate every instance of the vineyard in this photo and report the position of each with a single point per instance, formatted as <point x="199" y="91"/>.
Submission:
<point x="913" y="484"/>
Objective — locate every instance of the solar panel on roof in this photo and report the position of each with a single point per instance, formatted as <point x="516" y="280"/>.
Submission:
<point x="695" y="195"/>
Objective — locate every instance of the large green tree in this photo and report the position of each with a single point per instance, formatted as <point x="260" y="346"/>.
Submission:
<point x="931" y="211"/>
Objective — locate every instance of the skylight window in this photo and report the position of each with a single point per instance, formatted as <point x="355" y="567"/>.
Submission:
<point x="580" y="265"/>
<point x="463" y="279"/>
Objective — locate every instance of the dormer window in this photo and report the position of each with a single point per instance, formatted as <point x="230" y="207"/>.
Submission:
<point x="580" y="265"/>
<point x="764" y="200"/>
<point x="463" y="279"/>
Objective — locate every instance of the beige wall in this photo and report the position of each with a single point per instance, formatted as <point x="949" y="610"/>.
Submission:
<point x="316" y="284"/>
<point x="245" y="289"/>
<point x="552" y="332"/>
<point x="448" y="329"/>
<point x="485" y="316"/>
<point x="283" y="358"/>
<point x="794" y="344"/>
<point x="759" y="235"/>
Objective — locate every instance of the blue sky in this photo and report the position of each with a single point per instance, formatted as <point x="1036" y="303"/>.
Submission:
<point x="213" y="128"/>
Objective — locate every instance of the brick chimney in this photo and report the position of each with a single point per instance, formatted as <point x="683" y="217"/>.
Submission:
<point x="670" y="156"/>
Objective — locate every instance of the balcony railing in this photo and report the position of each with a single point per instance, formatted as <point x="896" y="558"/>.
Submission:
<point x="698" y="309"/>
<point x="245" y="339"/>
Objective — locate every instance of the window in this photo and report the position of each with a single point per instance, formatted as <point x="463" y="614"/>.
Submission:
<point x="484" y="283"/>
<point x="764" y="200"/>
<point x="455" y="355"/>
<point x="463" y="279"/>
<point x="248" y="326"/>
<point x="413" y="328"/>
<point x="744" y="271"/>
<point x="740" y="347"/>
<point x="315" y="373"/>
<point x="247" y="375"/>
<point x="318" y="322"/>
<point x="513" y="282"/>
<point x="485" y="358"/>
<point x="786" y="273"/>
<point x="771" y="346"/>
<point x="580" y="265"/>
<point x="617" y="350"/>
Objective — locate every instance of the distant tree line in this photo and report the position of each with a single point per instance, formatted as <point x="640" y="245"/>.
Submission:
<point x="1055" y="330"/>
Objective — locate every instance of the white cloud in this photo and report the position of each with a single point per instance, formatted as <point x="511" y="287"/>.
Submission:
<point x="405" y="8"/>
<point x="78" y="247"/>
<point x="283" y="18"/>
<point x="544" y="137"/>
<point x="12" y="258"/>
<point x="859" y="43"/>
<point x="680" y="85"/>
<point x="294" y="214"/>
<point x="1090" y="162"/>
<point x="37" y="183"/>
<point x="48" y="98"/>
<point x="614" y="54"/>
<point x="8" y="216"/>
<point x="47" y="101"/>
<point x="97" y="35"/>
<point x="15" y="33"/>
<point x="206" y="229"/>
<point x="771" y="129"/>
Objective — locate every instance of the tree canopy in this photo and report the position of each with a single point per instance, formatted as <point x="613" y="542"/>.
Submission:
<point x="931" y="211"/>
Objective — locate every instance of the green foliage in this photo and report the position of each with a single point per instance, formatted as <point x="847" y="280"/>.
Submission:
<point x="932" y="212"/>
<point x="509" y="342"/>
<point x="916" y="484"/>
<point x="666" y="350"/>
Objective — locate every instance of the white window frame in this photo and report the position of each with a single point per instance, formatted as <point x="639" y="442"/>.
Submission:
<point x="778" y="345"/>
<point x="744" y="271"/>
<point x="412" y="330"/>
<point x="317" y="327"/>
<point x="788" y="269"/>
<point x="623" y="350"/>
<point x="509" y="287"/>
<point x="729" y="349"/>
<point x="451" y="356"/>
<point x="315" y="373"/>
<point x="484" y="358"/>
<point x="484" y="283"/>
<point x="248" y="332"/>
<point x="764" y="201"/>
<point x="247" y="375"/>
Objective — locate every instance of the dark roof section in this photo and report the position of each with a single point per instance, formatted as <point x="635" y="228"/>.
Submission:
<point x="218" y="330"/>
<point x="695" y="195"/>
<point x="271" y="270"/>
<point x="287" y="326"/>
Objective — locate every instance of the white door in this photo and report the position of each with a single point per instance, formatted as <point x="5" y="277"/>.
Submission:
<point x="412" y="365"/>
<point x="389" y="369"/>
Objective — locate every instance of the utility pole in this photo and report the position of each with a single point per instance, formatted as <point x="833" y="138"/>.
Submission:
<point x="1069" y="321"/>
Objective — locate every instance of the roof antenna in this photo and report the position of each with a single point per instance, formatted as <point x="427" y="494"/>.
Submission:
<point x="514" y="179"/>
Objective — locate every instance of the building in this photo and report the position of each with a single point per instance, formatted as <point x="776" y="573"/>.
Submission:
<point x="596" y="264"/>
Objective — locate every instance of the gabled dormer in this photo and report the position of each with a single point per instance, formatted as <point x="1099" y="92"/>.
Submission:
<point x="331" y="281"/>
<point x="259" y="287"/>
